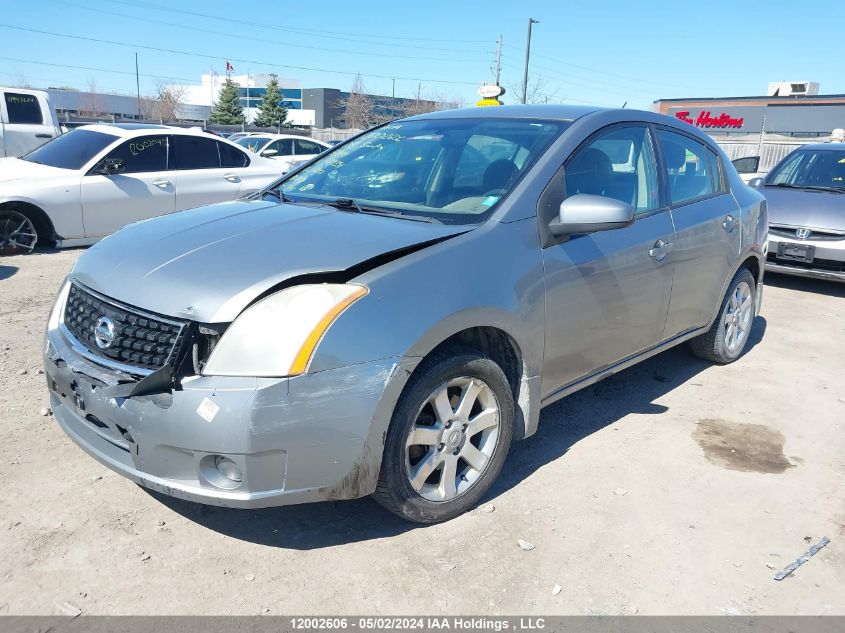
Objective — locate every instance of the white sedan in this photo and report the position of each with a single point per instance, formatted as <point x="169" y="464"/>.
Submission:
<point x="288" y="149"/>
<point x="90" y="182"/>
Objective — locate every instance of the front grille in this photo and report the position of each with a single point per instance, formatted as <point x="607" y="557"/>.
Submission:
<point x="789" y="231"/>
<point x="142" y="340"/>
<point x="829" y="265"/>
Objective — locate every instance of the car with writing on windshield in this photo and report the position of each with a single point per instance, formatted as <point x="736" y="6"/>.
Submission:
<point x="90" y="182"/>
<point x="388" y="318"/>
<point x="288" y="149"/>
<point x="806" y="199"/>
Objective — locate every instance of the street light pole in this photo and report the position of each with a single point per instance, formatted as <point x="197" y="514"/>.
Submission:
<point x="527" y="54"/>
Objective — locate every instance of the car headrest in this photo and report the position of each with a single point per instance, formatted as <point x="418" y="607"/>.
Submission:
<point x="674" y="154"/>
<point x="499" y="174"/>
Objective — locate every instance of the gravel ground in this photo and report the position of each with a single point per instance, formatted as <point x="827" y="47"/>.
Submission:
<point x="675" y="487"/>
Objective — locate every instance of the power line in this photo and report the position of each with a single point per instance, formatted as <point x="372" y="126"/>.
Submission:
<point x="277" y="27"/>
<point x="102" y="70"/>
<point x="266" y="41"/>
<point x="235" y="59"/>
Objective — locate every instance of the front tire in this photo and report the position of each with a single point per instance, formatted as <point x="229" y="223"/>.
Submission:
<point x="448" y="438"/>
<point x="17" y="233"/>
<point x="725" y="341"/>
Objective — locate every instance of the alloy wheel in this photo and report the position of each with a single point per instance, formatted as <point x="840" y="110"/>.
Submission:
<point x="453" y="439"/>
<point x="17" y="233"/>
<point x="738" y="316"/>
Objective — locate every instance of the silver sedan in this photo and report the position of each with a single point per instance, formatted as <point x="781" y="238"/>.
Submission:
<point x="387" y="319"/>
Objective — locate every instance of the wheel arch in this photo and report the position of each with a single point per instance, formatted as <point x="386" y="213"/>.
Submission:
<point x="43" y="224"/>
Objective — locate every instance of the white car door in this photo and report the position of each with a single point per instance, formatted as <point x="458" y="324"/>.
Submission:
<point x="143" y="188"/>
<point x="25" y="124"/>
<point x="200" y="175"/>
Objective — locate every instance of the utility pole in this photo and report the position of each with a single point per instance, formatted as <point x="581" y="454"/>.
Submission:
<point x="499" y="59"/>
<point x="137" y="85"/>
<point x="527" y="55"/>
<point x="393" y="90"/>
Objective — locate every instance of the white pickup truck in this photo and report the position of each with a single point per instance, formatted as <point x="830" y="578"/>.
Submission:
<point x="27" y="120"/>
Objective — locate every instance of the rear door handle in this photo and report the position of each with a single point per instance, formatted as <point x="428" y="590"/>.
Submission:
<point x="231" y="177"/>
<point x="660" y="249"/>
<point x="161" y="184"/>
<point x="43" y="136"/>
<point x="729" y="223"/>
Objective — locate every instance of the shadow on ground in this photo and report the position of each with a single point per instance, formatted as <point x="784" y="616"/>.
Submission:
<point x="803" y="284"/>
<point x="562" y="425"/>
<point x="7" y="271"/>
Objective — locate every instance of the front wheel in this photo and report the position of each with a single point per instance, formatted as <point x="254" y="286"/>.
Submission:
<point x="448" y="438"/>
<point x="726" y="339"/>
<point x="17" y="233"/>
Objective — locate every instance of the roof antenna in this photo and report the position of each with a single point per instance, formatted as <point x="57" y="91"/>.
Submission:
<point x="624" y="104"/>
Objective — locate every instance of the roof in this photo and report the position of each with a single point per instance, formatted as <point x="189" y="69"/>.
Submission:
<point x="825" y="146"/>
<point x="548" y="112"/>
<point x="130" y="130"/>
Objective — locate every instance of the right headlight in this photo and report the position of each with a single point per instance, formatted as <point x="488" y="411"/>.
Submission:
<point x="278" y="335"/>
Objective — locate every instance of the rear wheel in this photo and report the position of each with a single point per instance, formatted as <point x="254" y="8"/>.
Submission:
<point x="727" y="337"/>
<point x="17" y="233"/>
<point x="449" y="436"/>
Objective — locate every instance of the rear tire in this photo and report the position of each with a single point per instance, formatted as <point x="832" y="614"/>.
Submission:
<point x="726" y="339"/>
<point x="448" y="438"/>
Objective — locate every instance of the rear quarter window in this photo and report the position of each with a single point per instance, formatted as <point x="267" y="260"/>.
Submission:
<point x="232" y="156"/>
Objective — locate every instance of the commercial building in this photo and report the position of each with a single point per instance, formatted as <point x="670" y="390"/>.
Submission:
<point x="793" y="113"/>
<point x="330" y="111"/>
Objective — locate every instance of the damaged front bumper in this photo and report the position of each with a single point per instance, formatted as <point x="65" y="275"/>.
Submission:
<point x="308" y="438"/>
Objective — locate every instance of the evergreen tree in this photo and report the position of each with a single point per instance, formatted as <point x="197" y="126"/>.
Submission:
<point x="273" y="113"/>
<point x="228" y="110"/>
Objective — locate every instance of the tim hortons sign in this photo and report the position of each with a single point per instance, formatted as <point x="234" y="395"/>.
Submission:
<point x="707" y="120"/>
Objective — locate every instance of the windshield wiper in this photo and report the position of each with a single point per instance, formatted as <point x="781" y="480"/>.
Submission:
<point x="278" y="193"/>
<point x="350" y="205"/>
<point x="809" y="187"/>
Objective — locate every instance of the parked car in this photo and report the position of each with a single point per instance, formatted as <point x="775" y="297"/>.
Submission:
<point x="27" y="120"/>
<point x="748" y="168"/>
<point x="388" y="318"/>
<point x="806" y="199"/>
<point x="88" y="183"/>
<point x="288" y="149"/>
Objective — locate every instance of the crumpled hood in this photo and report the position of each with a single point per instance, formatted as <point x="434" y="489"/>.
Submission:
<point x="805" y="209"/>
<point x="17" y="169"/>
<point x="208" y="264"/>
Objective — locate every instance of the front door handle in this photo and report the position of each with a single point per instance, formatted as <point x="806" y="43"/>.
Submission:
<point x="231" y="177"/>
<point x="43" y="136"/>
<point x="660" y="250"/>
<point x="729" y="223"/>
<point x="161" y="184"/>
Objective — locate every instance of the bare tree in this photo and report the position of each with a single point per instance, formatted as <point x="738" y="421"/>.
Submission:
<point x="359" y="110"/>
<point x="21" y="81"/>
<point x="538" y="91"/>
<point x="92" y="102"/>
<point x="433" y="102"/>
<point x="164" y="106"/>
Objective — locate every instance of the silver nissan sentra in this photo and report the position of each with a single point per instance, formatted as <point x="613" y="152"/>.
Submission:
<point x="386" y="319"/>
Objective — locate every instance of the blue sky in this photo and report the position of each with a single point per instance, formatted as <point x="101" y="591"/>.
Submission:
<point x="603" y="51"/>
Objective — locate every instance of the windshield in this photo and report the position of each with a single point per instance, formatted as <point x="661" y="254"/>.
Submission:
<point x="813" y="169"/>
<point x="448" y="170"/>
<point x="253" y="143"/>
<point x="72" y="150"/>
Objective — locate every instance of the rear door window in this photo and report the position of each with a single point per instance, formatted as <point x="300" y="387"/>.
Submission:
<point x="23" y="108"/>
<point x="143" y="154"/>
<point x="195" y="152"/>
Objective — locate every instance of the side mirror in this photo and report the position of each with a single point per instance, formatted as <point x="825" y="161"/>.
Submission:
<point x="269" y="152"/>
<point x="755" y="182"/>
<point x="585" y="213"/>
<point x="111" y="166"/>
